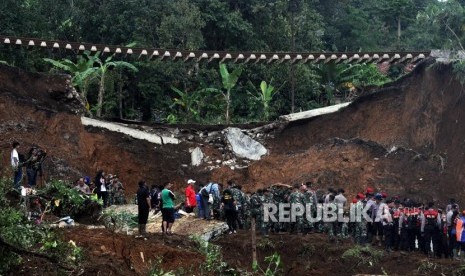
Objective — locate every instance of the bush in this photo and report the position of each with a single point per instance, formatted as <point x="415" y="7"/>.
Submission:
<point x="363" y="255"/>
<point x="66" y="201"/>
<point x="20" y="236"/>
<point x="213" y="257"/>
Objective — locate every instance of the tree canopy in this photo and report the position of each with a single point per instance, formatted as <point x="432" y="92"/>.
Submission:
<point x="150" y="90"/>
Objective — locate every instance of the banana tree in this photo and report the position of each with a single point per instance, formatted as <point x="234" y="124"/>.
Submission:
<point x="191" y="102"/>
<point x="102" y="72"/>
<point x="187" y="101"/>
<point x="229" y="81"/>
<point x="267" y="91"/>
<point x="83" y="71"/>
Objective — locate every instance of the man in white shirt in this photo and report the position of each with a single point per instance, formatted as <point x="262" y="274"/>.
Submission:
<point x="18" y="171"/>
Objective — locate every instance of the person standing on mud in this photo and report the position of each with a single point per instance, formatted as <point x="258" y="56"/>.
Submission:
<point x="34" y="164"/>
<point x="143" y="204"/>
<point x="100" y="183"/>
<point x="18" y="170"/>
<point x="167" y="210"/>
<point x="228" y="204"/>
<point x="210" y="194"/>
<point x="191" y="202"/>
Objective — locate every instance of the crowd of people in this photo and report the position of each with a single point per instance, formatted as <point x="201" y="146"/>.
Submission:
<point x="105" y="187"/>
<point x="395" y="223"/>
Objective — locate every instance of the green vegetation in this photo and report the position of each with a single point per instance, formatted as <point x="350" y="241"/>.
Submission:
<point x="21" y="238"/>
<point x="274" y="266"/>
<point x="213" y="258"/>
<point x="362" y="255"/>
<point x="183" y="92"/>
<point x="65" y="201"/>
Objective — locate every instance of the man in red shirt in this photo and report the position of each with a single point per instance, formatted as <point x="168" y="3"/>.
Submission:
<point x="191" y="202"/>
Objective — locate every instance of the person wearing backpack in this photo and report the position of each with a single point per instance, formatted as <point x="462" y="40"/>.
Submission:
<point x="209" y="193"/>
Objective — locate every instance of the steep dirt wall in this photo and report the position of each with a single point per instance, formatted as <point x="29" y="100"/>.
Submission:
<point x="423" y="112"/>
<point x="45" y="110"/>
<point x="405" y="139"/>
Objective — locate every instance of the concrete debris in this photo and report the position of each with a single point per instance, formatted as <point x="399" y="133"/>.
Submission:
<point x="313" y="112"/>
<point x="196" y="157"/>
<point x="244" y="146"/>
<point x="138" y="134"/>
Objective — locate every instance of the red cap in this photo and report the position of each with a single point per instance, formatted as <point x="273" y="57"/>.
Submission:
<point x="354" y="200"/>
<point x="384" y="195"/>
<point x="370" y="190"/>
<point x="361" y="196"/>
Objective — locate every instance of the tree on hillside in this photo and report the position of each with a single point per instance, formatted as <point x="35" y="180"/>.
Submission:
<point x="104" y="66"/>
<point x="83" y="72"/>
<point x="181" y="29"/>
<point x="446" y="20"/>
<point x="229" y="80"/>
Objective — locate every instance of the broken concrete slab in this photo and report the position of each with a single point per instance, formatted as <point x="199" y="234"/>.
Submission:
<point x="243" y="145"/>
<point x="138" y="134"/>
<point x="313" y="112"/>
<point x="196" y="157"/>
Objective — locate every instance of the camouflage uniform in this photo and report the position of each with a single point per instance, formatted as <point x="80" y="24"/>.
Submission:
<point x="246" y="212"/>
<point x="278" y="198"/>
<point x="331" y="226"/>
<point x="296" y="197"/>
<point x="360" y="227"/>
<point x="308" y="200"/>
<point x="256" y="209"/>
<point x="265" y="226"/>
<point x="238" y="196"/>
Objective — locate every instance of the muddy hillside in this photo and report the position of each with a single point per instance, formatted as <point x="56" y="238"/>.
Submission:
<point x="404" y="139"/>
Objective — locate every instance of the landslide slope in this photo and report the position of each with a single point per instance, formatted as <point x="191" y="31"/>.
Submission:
<point x="45" y="110"/>
<point x="406" y="138"/>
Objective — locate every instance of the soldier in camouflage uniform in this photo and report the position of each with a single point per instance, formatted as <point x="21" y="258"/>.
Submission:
<point x="296" y="197"/>
<point x="238" y="196"/>
<point x="246" y="211"/>
<point x="266" y="198"/>
<point x="310" y="204"/>
<point x="360" y="227"/>
<point x="278" y="198"/>
<point x="331" y="226"/>
<point x="256" y="207"/>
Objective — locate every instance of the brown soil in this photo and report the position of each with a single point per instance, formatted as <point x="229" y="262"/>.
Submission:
<point x="420" y="115"/>
<point x="404" y="139"/>
<point x="313" y="254"/>
<point x="108" y="253"/>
